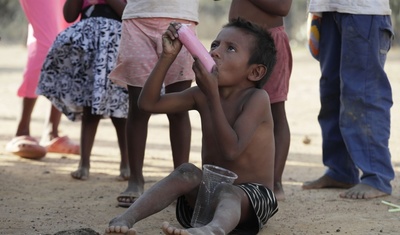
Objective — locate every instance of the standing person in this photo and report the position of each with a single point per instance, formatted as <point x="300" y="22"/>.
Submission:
<point x="45" y="22"/>
<point x="269" y="14"/>
<point x="144" y="21"/>
<point x="74" y="75"/>
<point x="356" y="97"/>
<point x="237" y="129"/>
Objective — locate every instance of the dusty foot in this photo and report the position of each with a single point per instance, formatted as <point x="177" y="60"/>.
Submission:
<point x="325" y="182"/>
<point x="124" y="174"/>
<point x="120" y="230"/>
<point x="120" y="226"/>
<point x="171" y="230"/>
<point x="362" y="191"/>
<point x="278" y="191"/>
<point x="81" y="174"/>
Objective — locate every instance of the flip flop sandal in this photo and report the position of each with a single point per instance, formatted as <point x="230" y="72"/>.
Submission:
<point x="129" y="199"/>
<point x="63" y="145"/>
<point x="26" y="146"/>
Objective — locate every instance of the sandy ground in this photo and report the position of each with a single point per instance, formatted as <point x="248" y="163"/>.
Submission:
<point x="40" y="197"/>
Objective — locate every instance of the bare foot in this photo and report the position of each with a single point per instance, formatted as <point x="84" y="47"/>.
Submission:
<point x="119" y="226"/>
<point x="124" y="174"/>
<point x="362" y="191"/>
<point x="278" y="191"/>
<point x="325" y="182"/>
<point x="206" y="230"/>
<point x="81" y="174"/>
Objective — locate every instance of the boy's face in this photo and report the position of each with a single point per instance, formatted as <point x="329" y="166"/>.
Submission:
<point x="231" y="52"/>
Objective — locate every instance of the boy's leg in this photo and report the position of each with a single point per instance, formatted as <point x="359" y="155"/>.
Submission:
<point x="24" y="123"/>
<point x="232" y="207"/>
<point x="179" y="128"/>
<point x="341" y="172"/>
<point x="183" y="180"/>
<point x="366" y="101"/>
<point x="89" y="126"/>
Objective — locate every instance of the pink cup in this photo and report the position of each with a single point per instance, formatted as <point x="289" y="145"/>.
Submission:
<point x="194" y="46"/>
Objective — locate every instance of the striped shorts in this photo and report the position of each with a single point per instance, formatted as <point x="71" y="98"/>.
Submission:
<point x="261" y="198"/>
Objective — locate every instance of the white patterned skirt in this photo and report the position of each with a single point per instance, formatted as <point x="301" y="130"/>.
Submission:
<point x="75" y="72"/>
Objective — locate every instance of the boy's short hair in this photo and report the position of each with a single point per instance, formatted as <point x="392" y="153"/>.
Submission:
<point x="263" y="51"/>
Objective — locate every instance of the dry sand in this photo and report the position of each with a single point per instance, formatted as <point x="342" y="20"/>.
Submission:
<point x="40" y="197"/>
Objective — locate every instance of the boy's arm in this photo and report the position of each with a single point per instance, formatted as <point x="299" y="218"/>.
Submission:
<point x="150" y="99"/>
<point x="274" y="7"/>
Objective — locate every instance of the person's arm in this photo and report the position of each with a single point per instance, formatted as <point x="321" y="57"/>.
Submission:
<point x="72" y="10"/>
<point x="150" y="99"/>
<point x="117" y="5"/>
<point x="274" y="7"/>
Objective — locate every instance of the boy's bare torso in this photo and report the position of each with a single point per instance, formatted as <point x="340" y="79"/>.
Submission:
<point x="255" y="164"/>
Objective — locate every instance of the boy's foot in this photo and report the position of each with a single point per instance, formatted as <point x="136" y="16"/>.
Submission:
<point x="81" y="174"/>
<point x="362" y="191"/>
<point x="113" y="230"/>
<point x="325" y="182"/>
<point x="278" y="191"/>
<point x="120" y="226"/>
<point x="206" y="230"/>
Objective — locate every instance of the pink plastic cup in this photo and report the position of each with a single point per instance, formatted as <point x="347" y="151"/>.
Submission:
<point x="194" y="46"/>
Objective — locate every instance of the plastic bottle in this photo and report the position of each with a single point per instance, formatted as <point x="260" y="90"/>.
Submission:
<point x="194" y="46"/>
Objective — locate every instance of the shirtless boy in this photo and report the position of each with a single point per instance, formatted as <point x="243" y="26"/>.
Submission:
<point x="237" y="131"/>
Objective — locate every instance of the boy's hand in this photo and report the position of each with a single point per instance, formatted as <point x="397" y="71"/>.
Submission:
<point x="170" y="42"/>
<point x="206" y="81"/>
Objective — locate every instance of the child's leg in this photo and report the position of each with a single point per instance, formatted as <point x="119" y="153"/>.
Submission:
<point x="88" y="132"/>
<point x="179" y="128"/>
<point x="51" y="124"/>
<point x="136" y="134"/>
<point x="120" y="128"/>
<point x="232" y="208"/>
<point x="282" y="142"/>
<point x="24" y="123"/>
<point x="183" y="180"/>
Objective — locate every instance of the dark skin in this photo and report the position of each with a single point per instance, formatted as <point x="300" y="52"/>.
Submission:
<point x="90" y="122"/>
<point x="237" y="131"/>
<point x="270" y="14"/>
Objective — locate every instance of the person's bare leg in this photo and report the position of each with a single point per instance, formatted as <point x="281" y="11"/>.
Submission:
<point x="282" y="143"/>
<point x="180" y="129"/>
<point x="89" y="126"/>
<point x="230" y="201"/>
<point x="362" y="191"/>
<point x="24" y="122"/>
<point x="52" y="121"/>
<point x="325" y="182"/>
<point x="120" y="128"/>
<point x="136" y="135"/>
<point x="182" y="181"/>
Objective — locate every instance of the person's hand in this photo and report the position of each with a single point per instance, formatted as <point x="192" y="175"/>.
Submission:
<point x="171" y="44"/>
<point x="206" y="81"/>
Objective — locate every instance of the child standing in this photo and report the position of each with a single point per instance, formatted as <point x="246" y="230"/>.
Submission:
<point x="74" y="75"/>
<point x="269" y="15"/>
<point x="143" y="24"/>
<point x="237" y="131"/>
<point x="45" y="22"/>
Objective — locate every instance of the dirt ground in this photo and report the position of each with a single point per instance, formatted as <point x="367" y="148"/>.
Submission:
<point x="40" y="197"/>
